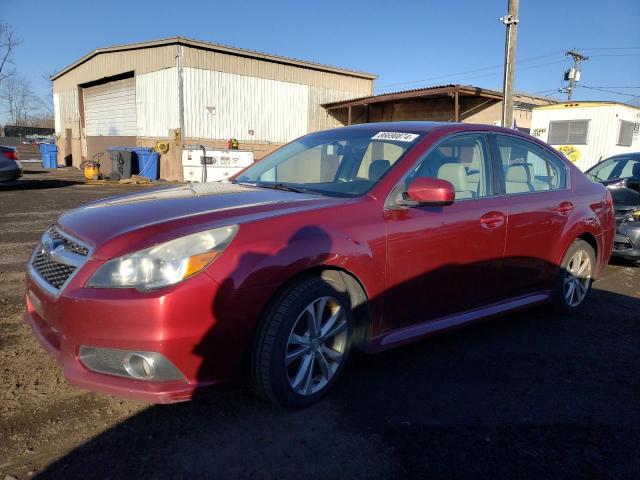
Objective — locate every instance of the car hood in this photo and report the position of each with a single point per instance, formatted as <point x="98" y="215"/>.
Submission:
<point x="128" y="223"/>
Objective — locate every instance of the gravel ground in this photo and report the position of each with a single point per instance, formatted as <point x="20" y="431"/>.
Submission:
<point x="529" y="395"/>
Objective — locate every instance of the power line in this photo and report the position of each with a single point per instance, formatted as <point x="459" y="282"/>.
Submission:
<point x="492" y="74"/>
<point x="611" y="48"/>
<point x="616" y="55"/>
<point x="493" y="67"/>
<point x="608" y="91"/>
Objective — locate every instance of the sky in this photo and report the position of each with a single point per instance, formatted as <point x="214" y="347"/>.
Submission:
<point x="407" y="43"/>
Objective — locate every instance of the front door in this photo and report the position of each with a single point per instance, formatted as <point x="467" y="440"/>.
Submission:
<point x="446" y="260"/>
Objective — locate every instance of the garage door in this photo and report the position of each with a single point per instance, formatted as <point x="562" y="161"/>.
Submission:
<point x="110" y="109"/>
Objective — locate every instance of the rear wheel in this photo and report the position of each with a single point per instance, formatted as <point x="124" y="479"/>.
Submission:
<point x="575" y="277"/>
<point x="302" y="344"/>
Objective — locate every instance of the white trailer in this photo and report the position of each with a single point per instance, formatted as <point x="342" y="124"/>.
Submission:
<point x="587" y="132"/>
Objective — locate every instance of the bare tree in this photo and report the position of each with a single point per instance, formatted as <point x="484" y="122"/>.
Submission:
<point x="23" y="106"/>
<point x="8" y="42"/>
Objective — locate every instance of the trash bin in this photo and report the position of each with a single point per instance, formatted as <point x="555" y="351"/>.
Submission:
<point x="123" y="162"/>
<point x="147" y="162"/>
<point x="49" y="155"/>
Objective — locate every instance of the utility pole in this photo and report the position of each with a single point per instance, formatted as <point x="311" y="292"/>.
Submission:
<point x="573" y="75"/>
<point x="511" y="22"/>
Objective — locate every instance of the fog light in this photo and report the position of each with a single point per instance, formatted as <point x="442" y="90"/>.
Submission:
<point x="139" y="366"/>
<point x="150" y="366"/>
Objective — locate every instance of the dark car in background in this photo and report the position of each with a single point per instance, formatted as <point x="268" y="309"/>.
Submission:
<point x="621" y="175"/>
<point x="10" y="167"/>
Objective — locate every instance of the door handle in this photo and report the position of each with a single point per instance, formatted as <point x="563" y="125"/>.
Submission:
<point x="492" y="220"/>
<point x="564" y="208"/>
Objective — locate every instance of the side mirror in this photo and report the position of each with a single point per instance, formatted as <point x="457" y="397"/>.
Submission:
<point x="431" y="191"/>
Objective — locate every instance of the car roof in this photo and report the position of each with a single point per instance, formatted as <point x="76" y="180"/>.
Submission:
<point x="424" y="127"/>
<point x="625" y="155"/>
<point x="634" y="155"/>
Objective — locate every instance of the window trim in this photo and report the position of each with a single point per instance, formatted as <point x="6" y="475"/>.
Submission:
<point x="620" y="124"/>
<point x="586" y="137"/>
<point x="491" y="184"/>
<point x="493" y="138"/>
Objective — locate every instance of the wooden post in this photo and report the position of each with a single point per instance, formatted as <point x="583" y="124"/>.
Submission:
<point x="456" y="106"/>
<point x="511" y="22"/>
<point x="349" y="115"/>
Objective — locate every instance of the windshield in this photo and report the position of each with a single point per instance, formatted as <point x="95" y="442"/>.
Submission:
<point x="341" y="162"/>
<point x="616" y="169"/>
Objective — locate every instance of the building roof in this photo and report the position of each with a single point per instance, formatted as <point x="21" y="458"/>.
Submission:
<point x="583" y="104"/>
<point x="216" y="47"/>
<point x="425" y="92"/>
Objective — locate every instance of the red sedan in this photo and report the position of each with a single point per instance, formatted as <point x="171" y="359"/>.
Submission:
<point x="367" y="237"/>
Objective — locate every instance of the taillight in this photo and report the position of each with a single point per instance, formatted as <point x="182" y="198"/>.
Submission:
<point x="11" y="154"/>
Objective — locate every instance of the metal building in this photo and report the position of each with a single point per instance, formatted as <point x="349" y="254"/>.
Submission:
<point x="184" y="91"/>
<point x="587" y="132"/>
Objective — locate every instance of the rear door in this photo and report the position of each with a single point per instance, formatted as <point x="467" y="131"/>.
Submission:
<point x="539" y="203"/>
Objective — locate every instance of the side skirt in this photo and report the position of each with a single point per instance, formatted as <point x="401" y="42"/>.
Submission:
<point x="410" y="334"/>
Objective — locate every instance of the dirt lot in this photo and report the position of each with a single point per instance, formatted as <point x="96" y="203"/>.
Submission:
<point x="527" y="395"/>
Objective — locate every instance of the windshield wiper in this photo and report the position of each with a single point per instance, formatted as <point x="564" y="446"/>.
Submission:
<point x="284" y="187"/>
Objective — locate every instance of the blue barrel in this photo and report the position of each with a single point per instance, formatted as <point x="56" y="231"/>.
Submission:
<point x="147" y="163"/>
<point x="49" y="154"/>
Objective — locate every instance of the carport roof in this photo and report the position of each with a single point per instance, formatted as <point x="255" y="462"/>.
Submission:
<point x="427" y="92"/>
<point x="220" y="48"/>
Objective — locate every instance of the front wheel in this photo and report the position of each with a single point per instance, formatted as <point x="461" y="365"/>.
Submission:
<point x="575" y="277"/>
<point x="302" y="344"/>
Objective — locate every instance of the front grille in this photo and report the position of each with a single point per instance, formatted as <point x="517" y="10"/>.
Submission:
<point x="69" y="244"/>
<point x="53" y="272"/>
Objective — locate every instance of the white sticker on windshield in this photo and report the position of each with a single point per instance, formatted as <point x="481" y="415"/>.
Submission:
<point x="397" y="136"/>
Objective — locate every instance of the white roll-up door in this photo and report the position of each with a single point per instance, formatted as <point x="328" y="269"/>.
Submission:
<point x="110" y="109"/>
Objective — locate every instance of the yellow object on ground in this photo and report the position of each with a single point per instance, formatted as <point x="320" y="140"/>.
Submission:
<point x="91" y="171"/>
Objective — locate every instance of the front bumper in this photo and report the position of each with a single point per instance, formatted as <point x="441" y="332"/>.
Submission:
<point x="626" y="243"/>
<point x="178" y="323"/>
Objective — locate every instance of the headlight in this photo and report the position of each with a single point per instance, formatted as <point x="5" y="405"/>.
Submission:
<point x="164" y="264"/>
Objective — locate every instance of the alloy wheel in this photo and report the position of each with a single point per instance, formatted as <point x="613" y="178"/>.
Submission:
<point x="577" y="278"/>
<point x="316" y="345"/>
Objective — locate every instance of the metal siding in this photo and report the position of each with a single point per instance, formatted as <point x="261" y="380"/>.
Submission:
<point x="157" y="102"/>
<point x="141" y="61"/>
<point x="319" y="118"/>
<point x="57" y="113"/>
<point x="110" y="109"/>
<point x="276" y="111"/>
<point x="67" y="113"/>
<point x="224" y="62"/>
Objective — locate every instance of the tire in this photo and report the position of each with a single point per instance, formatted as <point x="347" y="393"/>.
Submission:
<point x="284" y="335"/>
<point x="567" y="299"/>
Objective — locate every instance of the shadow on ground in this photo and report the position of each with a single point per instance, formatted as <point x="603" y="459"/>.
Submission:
<point x="528" y="395"/>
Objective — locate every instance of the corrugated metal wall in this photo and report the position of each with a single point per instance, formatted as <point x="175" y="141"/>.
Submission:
<point x="66" y="111"/>
<point x="141" y="61"/>
<point x="110" y="109"/>
<point x="318" y="117"/>
<point x="157" y="103"/>
<point x="220" y="105"/>
<point x="253" y="67"/>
